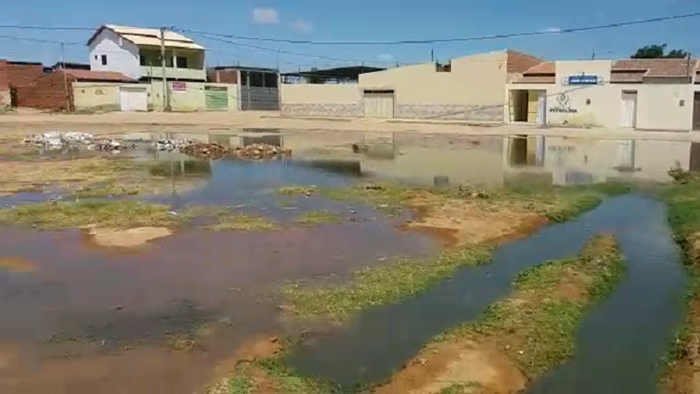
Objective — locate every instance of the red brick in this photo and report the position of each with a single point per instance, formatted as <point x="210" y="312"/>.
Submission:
<point x="52" y="91"/>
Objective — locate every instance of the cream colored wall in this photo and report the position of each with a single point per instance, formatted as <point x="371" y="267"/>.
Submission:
<point x="658" y="105"/>
<point x="97" y="96"/>
<point x="476" y="79"/>
<point x="320" y="94"/>
<point x="192" y="99"/>
<point x="5" y="99"/>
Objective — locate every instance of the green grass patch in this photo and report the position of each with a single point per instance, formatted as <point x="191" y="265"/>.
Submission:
<point x="296" y="190"/>
<point x="538" y="324"/>
<point x="241" y="222"/>
<point x="113" y="214"/>
<point x="460" y="388"/>
<point x="557" y="204"/>
<point x="110" y="189"/>
<point x="319" y="217"/>
<point x="380" y="285"/>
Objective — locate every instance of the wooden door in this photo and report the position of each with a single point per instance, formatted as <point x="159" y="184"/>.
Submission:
<point x="629" y="109"/>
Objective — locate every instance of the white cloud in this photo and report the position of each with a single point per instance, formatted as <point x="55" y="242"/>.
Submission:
<point x="553" y="29"/>
<point x="385" y="57"/>
<point x="303" y="26"/>
<point x="265" y="15"/>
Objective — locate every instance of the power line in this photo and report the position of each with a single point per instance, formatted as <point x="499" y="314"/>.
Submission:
<point x="25" y="27"/>
<point x="280" y="51"/>
<point x="457" y="39"/>
<point x="38" y="40"/>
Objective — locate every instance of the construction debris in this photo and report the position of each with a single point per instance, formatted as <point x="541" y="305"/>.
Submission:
<point x="203" y="150"/>
<point x="170" y="145"/>
<point x="57" y="138"/>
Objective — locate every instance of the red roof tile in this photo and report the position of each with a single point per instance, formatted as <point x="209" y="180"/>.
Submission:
<point x="107" y="76"/>
<point x="657" y="67"/>
<point x="542" y="68"/>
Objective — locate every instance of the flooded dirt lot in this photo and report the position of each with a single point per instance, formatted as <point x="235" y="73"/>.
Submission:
<point x="143" y="269"/>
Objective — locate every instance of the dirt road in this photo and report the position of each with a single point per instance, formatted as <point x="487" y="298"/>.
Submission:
<point x="224" y="122"/>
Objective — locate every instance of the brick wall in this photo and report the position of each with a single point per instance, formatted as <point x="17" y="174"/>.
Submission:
<point x="51" y="91"/>
<point x="21" y="75"/>
<point x="223" y="76"/>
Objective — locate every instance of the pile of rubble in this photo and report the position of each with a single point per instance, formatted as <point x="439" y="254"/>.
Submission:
<point x="261" y="151"/>
<point x="57" y="138"/>
<point x="203" y="150"/>
<point x="111" y="145"/>
<point x="175" y="144"/>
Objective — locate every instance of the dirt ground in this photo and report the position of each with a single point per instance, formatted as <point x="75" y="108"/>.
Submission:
<point x="129" y="238"/>
<point x="458" y="221"/>
<point x="26" y="121"/>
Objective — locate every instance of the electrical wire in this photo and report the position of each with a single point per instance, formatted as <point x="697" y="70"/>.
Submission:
<point x="457" y="39"/>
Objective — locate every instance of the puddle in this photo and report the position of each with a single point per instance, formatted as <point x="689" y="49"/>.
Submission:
<point x="107" y="313"/>
<point x="623" y="338"/>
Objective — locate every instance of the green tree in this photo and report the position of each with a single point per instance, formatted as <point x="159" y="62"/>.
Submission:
<point x="656" y="51"/>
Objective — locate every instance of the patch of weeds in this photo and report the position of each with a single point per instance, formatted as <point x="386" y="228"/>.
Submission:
<point x="242" y="222"/>
<point x="460" y="388"/>
<point x="105" y="190"/>
<point x="683" y="199"/>
<point x="240" y="384"/>
<point x="320" y="217"/>
<point x="389" y="198"/>
<point x="537" y="325"/>
<point x="183" y="343"/>
<point x="296" y="190"/>
<point x="380" y="285"/>
<point x="113" y="214"/>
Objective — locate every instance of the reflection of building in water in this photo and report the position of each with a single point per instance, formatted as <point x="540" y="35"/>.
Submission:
<point x="573" y="161"/>
<point x="477" y="163"/>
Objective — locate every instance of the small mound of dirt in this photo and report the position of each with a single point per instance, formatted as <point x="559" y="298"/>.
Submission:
<point x="127" y="238"/>
<point x="479" y="365"/>
<point x="463" y="222"/>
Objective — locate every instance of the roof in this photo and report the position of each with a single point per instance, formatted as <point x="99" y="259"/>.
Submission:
<point x="338" y="72"/>
<point x="244" y="68"/>
<point x="71" y="66"/>
<point x="518" y="61"/>
<point x="103" y="76"/>
<point x="542" y="68"/>
<point x="149" y="37"/>
<point x="665" y="68"/>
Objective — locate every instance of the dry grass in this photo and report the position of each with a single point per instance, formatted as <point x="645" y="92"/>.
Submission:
<point x="240" y="222"/>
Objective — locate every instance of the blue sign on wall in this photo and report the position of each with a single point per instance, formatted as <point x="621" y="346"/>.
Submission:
<point x="583" y="80"/>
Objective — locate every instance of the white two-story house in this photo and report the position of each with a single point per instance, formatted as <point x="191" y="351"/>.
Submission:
<point x="136" y="52"/>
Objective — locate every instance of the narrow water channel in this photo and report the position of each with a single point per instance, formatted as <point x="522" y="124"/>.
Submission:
<point x="619" y="343"/>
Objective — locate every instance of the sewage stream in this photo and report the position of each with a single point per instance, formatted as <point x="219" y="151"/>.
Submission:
<point x="619" y="344"/>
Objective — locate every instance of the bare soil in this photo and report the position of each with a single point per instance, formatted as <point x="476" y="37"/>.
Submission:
<point x="256" y="349"/>
<point x="460" y="221"/>
<point x="481" y="366"/>
<point x="129" y="238"/>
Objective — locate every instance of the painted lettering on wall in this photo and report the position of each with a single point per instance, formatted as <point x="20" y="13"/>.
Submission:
<point x="563" y="106"/>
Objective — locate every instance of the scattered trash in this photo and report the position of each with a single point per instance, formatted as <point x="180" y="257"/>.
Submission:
<point x="203" y="150"/>
<point x="170" y="145"/>
<point x="261" y="151"/>
<point x="57" y="138"/>
<point x="111" y="145"/>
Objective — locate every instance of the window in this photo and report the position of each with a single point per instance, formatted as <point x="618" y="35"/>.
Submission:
<point x="104" y="60"/>
<point x="181" y="62"/>
<point x="270" y="80"/>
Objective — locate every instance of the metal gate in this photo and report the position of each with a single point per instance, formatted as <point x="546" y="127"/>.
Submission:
<point x="379" y="103"/>
<point x="216" y="98"/>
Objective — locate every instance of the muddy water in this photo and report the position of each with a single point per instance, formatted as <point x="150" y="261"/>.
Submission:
<point x="620" y="342"/>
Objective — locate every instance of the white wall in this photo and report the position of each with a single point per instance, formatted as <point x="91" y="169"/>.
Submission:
<point x="122" y="55"/>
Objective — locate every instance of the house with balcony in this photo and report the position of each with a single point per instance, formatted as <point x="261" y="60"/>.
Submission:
<point x="136" y="53"/>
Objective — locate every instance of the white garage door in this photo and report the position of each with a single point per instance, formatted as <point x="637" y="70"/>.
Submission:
<point x="379" y="103"/>
<point x="133" y="99"/>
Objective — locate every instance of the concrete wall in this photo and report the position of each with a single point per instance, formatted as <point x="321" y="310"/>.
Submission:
<point x="5" y="99"/>
<point x="103" y="96"/>
<point x="472" y="90"/>
<point x="343" y="100"/>
<point x="96" y="96"/>
<point x="122" y="55"/>
<point x="659" y="106"/>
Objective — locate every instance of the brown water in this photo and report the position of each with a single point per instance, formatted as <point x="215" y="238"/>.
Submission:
<point x="78" y="318"/>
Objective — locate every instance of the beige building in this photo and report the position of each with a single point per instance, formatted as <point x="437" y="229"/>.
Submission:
<point x="469" y="88"/>
<point x="646" y="94"/>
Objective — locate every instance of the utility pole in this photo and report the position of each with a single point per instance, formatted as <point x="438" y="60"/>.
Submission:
<point x="65" y="77"/>
<point x="688" y="76"/>
<point x="432" y="56"/>
<point x="166" y="98"/>
<point x="593" y="54"/>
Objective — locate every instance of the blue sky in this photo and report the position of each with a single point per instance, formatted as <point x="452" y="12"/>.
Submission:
<point x="359" y="20"/>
